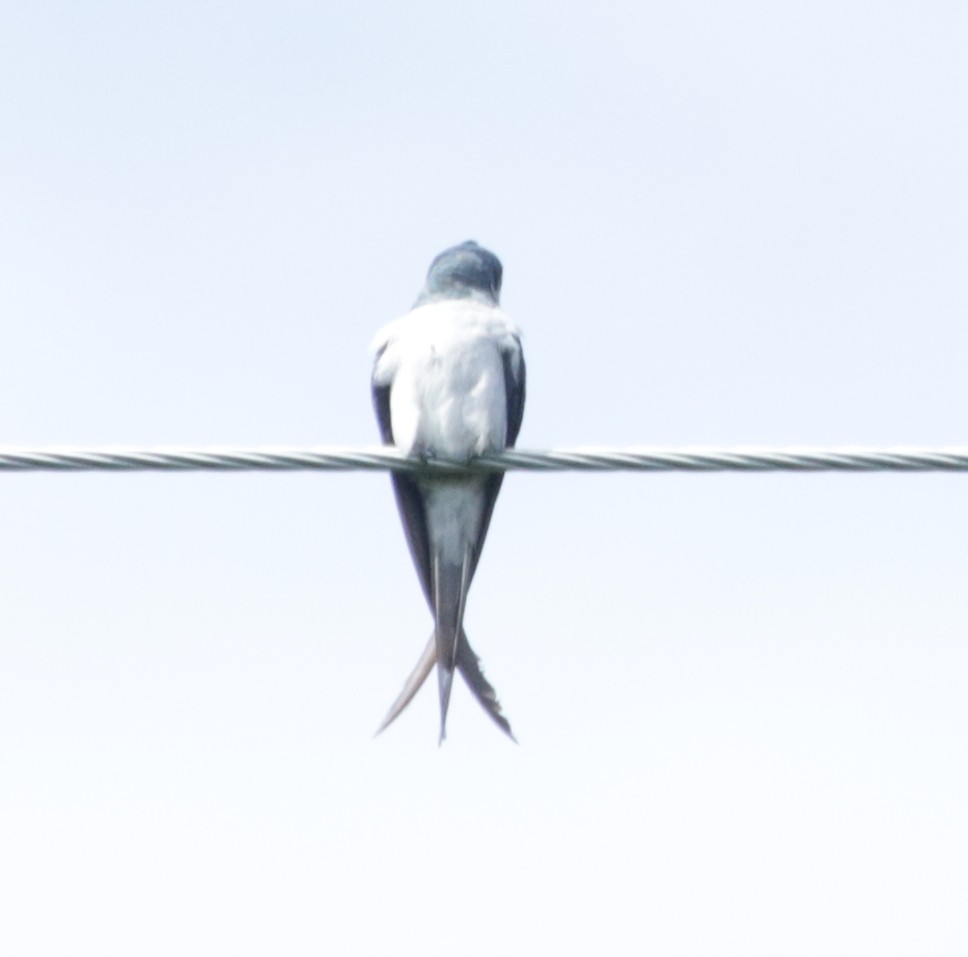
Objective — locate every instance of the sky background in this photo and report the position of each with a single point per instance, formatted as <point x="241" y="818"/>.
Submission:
<point x="741" y="700"/>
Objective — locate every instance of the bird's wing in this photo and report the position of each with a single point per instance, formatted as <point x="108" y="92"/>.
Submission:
<point x="410" y="501"/>
<point x="514" y="388"/>
<point x="512" y="360"/>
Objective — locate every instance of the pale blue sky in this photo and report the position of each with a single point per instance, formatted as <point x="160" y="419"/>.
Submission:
<point x="742" y="700"/>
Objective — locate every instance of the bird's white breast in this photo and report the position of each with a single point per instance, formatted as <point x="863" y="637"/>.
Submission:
<point x="444" y="365"/>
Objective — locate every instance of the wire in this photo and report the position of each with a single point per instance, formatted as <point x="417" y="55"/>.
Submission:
<point x="388" y="458"/>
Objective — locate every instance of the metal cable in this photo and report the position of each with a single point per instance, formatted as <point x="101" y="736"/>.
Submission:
<point x="387" y="458"/>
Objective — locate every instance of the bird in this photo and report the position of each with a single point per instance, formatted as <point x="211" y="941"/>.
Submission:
<point x="448" y="382"/>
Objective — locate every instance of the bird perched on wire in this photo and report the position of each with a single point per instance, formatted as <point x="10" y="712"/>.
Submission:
<point x="448" y="382"/>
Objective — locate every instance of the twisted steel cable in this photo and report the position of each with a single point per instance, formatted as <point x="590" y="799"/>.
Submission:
<point x="387" y="458"/>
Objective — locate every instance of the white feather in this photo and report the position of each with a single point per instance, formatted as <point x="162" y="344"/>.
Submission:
<point x="443" y="363"/>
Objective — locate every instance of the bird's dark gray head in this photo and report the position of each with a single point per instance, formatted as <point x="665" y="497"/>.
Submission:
<point x="463" y="272"/>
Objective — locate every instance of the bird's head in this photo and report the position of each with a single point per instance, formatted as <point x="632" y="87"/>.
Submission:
<point x="463" y="272"/>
